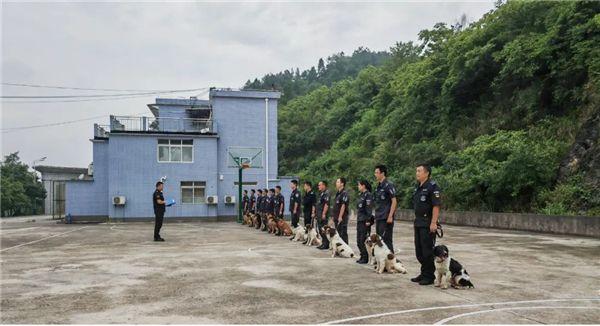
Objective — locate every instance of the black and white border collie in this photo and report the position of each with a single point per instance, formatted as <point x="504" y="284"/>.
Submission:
<point x="448" y="271"/>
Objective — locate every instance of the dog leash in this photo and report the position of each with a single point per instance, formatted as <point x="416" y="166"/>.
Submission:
<point x="439" y="231"/>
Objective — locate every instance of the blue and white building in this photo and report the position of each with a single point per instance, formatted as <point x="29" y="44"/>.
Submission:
<point x="193" y="144"/>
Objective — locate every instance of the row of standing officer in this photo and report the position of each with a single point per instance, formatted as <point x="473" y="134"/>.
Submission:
<point x="267" y="201"/>
<point x="426" y="202"/>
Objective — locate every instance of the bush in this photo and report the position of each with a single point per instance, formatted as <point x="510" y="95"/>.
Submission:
<point x="500" y="172"/>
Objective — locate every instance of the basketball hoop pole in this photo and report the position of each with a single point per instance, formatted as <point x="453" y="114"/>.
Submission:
<point x="240" y="208"/>
<point x="239" y="219"/>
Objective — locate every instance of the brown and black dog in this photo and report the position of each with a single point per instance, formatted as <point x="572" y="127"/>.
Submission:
<point x="272" y="224"/>
<point x="264" y="221"/>
<point x="247" y="219"/>
<point x="284" y="228"/>
<point x="256" y="221"/>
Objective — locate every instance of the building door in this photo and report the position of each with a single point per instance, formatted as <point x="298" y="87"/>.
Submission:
<point x="58" y="199"/>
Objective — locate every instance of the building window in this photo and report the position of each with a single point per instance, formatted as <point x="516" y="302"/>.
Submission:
<point x="193" y="192"/>
<point x="176" y="150"/>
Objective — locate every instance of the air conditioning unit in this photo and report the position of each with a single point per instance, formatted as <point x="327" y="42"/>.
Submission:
<point x="212" y="200"/>
<point x="119" y="200"/>
<point x="229" y="199"/>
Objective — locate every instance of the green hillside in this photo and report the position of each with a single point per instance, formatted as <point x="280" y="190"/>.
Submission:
<point x="336" y="67"/>
<point x="506" y="110"/>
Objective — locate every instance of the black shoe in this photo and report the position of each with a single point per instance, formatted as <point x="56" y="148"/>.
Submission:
<point x="417" y="279"/>
<point x="362" y="261"/>
<point x="426" y="281"/>
<point x="159" y="239"/>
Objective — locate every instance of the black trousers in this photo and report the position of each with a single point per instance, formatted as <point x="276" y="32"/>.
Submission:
<point x="258" y="221"/>
<point x="362" y="232"/>
<point x="263" y="217"/>
<point x="158" y="222"/>
<point x="386" y="232"/>
<point x="295" y="219"/>
<point x="424" y="243"/>
<point x="307" y="219"/>
<point x="321" y="223"/>
<point x="342" y="230"/>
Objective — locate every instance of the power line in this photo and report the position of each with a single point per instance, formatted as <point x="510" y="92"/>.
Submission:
<point x="7" y="130"/>
<point x="102" y="95"/>
<point x="79" y="100"/>
<point x="82" y="89"/>
<point x="50" y="124"/>
<point x="124" y="97"/>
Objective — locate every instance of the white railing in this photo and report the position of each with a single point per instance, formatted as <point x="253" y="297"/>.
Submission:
<point x="153" y="124"/>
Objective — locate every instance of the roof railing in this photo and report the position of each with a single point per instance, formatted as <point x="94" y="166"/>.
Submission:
<point x="161" y="125"/>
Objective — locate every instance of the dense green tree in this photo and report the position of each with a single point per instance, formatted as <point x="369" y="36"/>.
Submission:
<point x="336" y="68"/>
<point x="22" y="192"/>
<point x="493" y="106"/>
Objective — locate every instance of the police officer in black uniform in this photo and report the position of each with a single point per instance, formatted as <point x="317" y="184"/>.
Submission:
<point x="259" y="206"/>
<point x="323" y="212"/>
<point x="245" y="202"/>
<point x="278" y="206"/>
<point x="267" y="206"/>
<point x="159" y="210"/>
<point x="426" y="202"/>
<point x="252" y="201"/>
<point x="340" y="209"/>
<point x="270" y="202"/>
<point x="385" y="198"/>
<point x="295" y="202"/>
<point x="278" y="203"/>
<point x="364" y="218"/>
<point x="309" y="202"/>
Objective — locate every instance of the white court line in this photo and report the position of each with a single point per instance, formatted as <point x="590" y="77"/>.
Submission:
<point x="209" y="244"/>
<point x="443" y="321"/>
<point x="400" y="312"/>
<point x="42" y="239"/>
<point x="252" y="249"/>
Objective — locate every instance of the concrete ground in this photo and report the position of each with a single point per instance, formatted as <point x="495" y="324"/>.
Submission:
<point x="223" y="272"/>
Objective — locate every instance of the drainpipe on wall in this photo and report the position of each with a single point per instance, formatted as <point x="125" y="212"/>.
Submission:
<point x="267" y="142"/>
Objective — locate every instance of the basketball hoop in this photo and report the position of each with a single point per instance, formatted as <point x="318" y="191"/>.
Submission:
<point x="245" y="165"/>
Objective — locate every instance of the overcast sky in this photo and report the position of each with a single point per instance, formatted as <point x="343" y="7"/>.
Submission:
<point x="174" y="46"/>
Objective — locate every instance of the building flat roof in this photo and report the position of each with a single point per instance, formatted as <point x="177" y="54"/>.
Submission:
<point x="224" y="92"/>
<point x="60" y="169"/>
<point x="192" y="102"/>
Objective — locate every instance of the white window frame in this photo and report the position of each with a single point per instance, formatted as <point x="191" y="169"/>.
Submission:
<point x="169" y="146"/>
<point x="201" y="200"/>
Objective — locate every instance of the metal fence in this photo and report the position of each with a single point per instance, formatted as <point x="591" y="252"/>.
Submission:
<point x="153" y="124"/>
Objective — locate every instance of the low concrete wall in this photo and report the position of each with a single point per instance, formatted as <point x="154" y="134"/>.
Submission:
<point x="167" y="219"/>
<point x="176" y="219"/>
<point x="574" y="225"/>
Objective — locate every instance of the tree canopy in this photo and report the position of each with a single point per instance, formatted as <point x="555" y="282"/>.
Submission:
<point x="494" y="107"/>
<point x="21" y="191"/>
